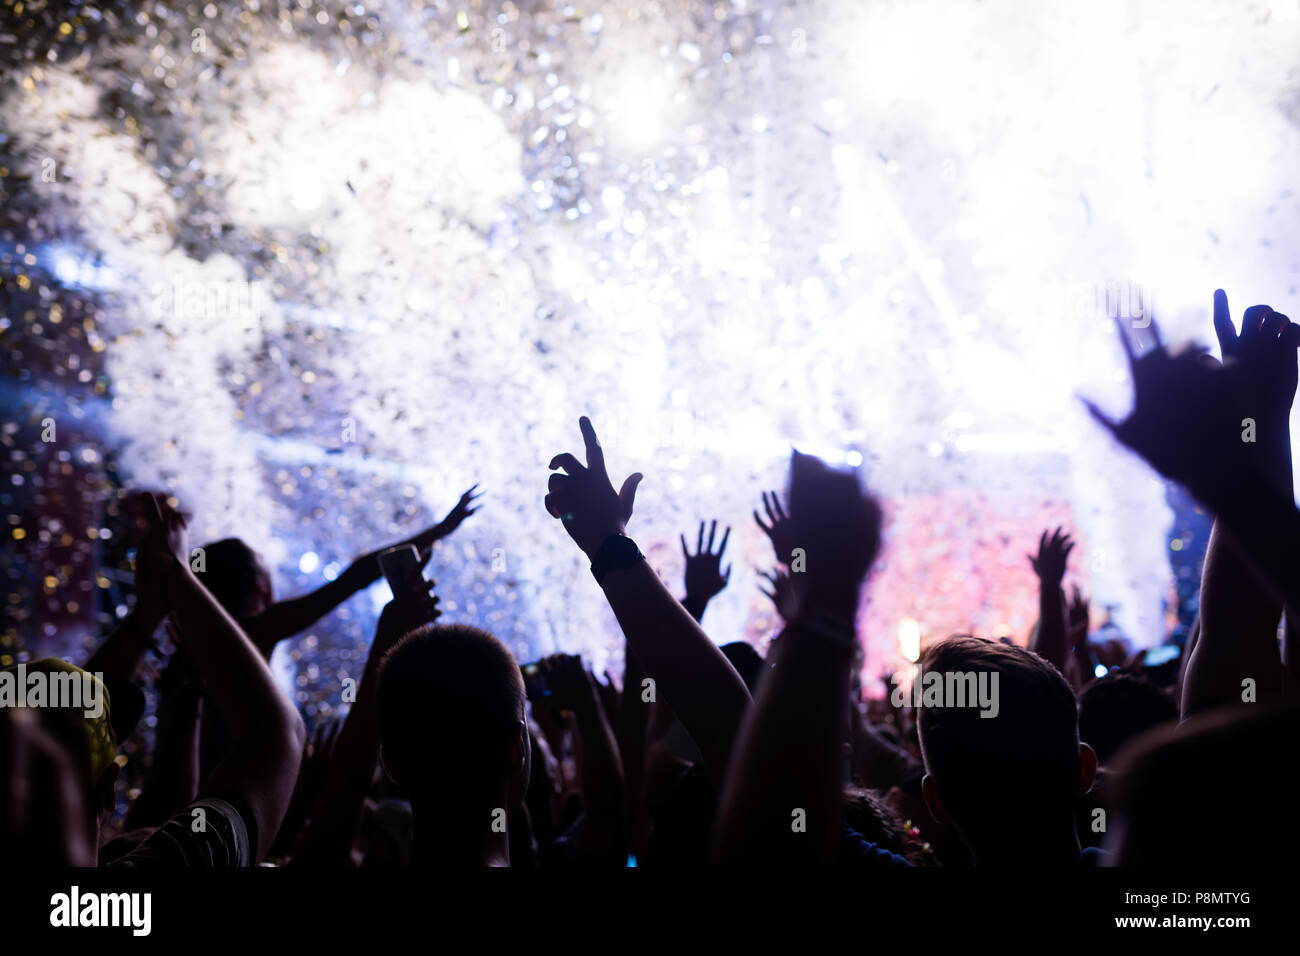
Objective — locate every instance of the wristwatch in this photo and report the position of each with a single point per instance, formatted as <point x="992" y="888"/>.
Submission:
<point x="615" y="553"/>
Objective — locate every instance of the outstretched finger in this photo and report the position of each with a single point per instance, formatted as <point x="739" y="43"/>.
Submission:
<point x="595" y="454"/>
<point x="766" y="530"/>
<point x="1105" y="420"/>
<point x="723" y="546"/>
<point x="627" y="493"/>
<point x="699" y="542"/>
<point x="776" y="501"/>
<point x="1223" y="328"/>
<point x="767" y="505"/>
<point x="1125" y="343"/>
<point x="685" y="554"/>
<point x="713" y="530"/>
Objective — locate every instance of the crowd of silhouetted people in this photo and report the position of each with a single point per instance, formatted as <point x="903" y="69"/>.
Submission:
<point x="1067" y="752"/>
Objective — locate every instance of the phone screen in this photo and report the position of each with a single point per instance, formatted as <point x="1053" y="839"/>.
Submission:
<point x="1161" y="655"/>
<point x="535" y="685"/>
<point x="397" y="564"/>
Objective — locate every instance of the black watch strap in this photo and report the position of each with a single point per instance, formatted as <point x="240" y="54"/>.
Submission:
<point x="615" y="553"/>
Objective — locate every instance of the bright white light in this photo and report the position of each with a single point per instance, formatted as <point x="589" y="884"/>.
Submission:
<point x="853" y="459"/>
<point x="66" y="267"/>
<point x="909" y="639"/>
<point x="638" y="102"/>
<point x="309" y="562"/>
<point x="612" y="197"/>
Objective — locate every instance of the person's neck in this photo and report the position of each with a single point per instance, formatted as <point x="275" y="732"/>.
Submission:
<point x="1023" y="842"/>
<point x="445" y="837"/>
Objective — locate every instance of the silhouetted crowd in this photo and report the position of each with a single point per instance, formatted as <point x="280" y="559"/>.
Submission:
<point x="1068" y="752"/>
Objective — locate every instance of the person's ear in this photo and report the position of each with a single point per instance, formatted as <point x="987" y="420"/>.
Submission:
<point x="1087" y="769"/>
<point x="932" y="799"/>
<point x="520" y="748"/>
<point x="520" y="757"/>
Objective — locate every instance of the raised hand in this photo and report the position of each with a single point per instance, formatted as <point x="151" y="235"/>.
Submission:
<point x="455" y="517"/>
<point x="164" y="547"/>
<point x="413" y="605"/>
<point x="462" y="510"/>
<point x="1267" y="347"/>
<point x="782" y="595"/>
<point x="838" y="527"/>
<point x="1186" y="419"/>
<point x="704" y="574"/>
<point x="1053" y="551"/>
<point x="778" y="527"/>
<point x="583" y="497"/>
<point x="1079" y="616"/>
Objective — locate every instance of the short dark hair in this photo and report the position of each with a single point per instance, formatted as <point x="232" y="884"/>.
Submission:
<point x="1119" y="707"/>
<point x="450" y="700"/>
<point x="231" y="573"/>
<point x="1025" y="759"/>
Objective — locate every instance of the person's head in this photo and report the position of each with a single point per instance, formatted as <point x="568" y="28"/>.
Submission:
<point x="85" y="719"/>
<point x="1215" y="791"/>
<point x="1001" y="773"/>
<point x="1118" y="708"/>
<point x="236" y="576"/>
<point x="866" y="812"/>
<point x="452" y="720"/>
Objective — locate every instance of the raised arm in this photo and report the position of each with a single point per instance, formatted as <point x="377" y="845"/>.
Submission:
<point x="1190" y="423"/>
<point x="267" y="730"/>
<point x="689" y="671"/>
<point x="781" y="802"/>
<point x="633" y="716"/>
<point x="336" y="817"/>
<point x="1079" y="616"/>
<point x="286" y="618"/>
<point x="1051" y="637"/>
<point x="602" y="839"/>
<point x="1239" y="612"/>
<point x="122" y="651"/>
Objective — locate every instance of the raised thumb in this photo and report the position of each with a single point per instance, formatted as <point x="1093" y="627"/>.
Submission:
<point x="627" y="494"/>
